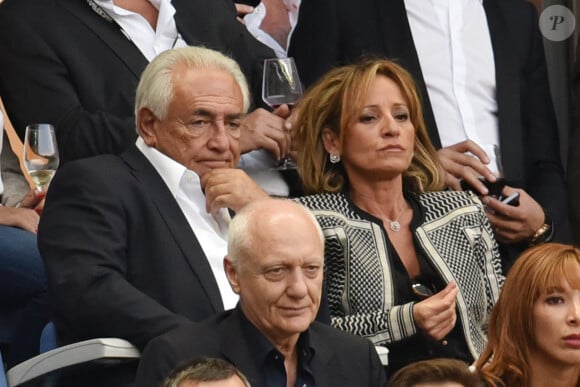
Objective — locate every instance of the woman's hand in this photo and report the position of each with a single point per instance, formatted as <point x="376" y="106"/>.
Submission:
<point x="26" y="214"/>
<point x="33" y="199"/>
<point x="435" y="316"/>
<point x="24" y="218"/>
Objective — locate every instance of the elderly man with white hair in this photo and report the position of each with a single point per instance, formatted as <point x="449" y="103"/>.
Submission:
<point x="133" y="244"/>
<point x="275" y="263"/>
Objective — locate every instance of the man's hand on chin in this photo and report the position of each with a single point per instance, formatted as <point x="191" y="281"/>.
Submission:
<point x="229" y="188"/>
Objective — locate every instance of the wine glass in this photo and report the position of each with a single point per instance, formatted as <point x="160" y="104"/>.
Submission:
<point x="40" y="154"/>
<point x="281" y="85"/>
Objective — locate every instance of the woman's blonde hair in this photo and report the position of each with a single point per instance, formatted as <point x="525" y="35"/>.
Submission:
<point x="539" y="270"/>
<point x="335" y="102"/>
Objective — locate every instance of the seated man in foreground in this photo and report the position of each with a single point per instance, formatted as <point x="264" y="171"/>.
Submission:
<point x="133" y="244"/>
<point x="275" y="263"/>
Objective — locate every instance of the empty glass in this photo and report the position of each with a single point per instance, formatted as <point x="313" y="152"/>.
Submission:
<point x="281" y="85"/>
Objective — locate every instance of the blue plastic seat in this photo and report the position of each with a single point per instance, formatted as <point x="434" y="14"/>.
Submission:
<point x="48" y="339"/>
<point x="3" y="382"/>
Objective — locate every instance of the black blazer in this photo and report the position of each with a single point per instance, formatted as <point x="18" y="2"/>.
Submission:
<point x="340" y="359"/>
<point x="340" y="33"/>
<point x="574" y="155"/>
<point x="121" y="258"/>
<point x="64" y="64"/>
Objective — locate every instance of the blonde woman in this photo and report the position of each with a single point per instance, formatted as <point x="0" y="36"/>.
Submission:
<point x="407" y="265"/>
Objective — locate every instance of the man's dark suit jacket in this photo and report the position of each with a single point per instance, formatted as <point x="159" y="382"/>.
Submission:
<point x="339" y="33"/>
<point x="574" y="153"/>
<point x="340" y="358"/>
<point x="121" y="258"/>
<point x="64" y="64"/>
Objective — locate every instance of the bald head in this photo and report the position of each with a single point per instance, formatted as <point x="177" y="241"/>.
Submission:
<point x="275" y="263"/>
<point x="264" y="219"/>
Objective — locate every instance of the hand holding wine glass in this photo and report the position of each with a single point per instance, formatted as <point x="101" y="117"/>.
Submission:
<point x="281" y="85"/>
<point x="40" y="154"/>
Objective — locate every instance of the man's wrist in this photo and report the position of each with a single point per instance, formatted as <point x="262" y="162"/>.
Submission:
<point x="544" y="233"/>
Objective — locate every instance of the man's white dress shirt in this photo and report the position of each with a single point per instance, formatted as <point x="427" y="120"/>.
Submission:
<point x="151" y="42"/>
<point x="254" y="19"/>
<point x="456" y="57"/>
<point x="211" y="230"/>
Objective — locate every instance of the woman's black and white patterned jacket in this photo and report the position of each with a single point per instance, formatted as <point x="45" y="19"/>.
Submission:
<point x="455" y="236"/>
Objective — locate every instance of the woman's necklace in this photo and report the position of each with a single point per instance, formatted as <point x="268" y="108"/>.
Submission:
<point x="394" y="224"/>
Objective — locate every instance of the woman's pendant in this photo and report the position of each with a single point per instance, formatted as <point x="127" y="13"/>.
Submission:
<point x="395" y="226"/>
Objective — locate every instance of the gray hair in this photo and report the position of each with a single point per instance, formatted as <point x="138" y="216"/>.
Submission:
<point x="155" y="89"/>
<point x="240" y="236"/>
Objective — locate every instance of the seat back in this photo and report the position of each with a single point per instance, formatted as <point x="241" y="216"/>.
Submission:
<point x="53" y="358"/>
<point x="7" y="327"/>
<point x="48" y="340"/>
<point x="3" y="382"/>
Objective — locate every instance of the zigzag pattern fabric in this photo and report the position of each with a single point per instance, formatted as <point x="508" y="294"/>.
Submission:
<point x="455" y="236"/>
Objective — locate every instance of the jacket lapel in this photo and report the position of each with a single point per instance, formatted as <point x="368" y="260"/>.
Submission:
<point x="237" y="350"/>
<point x="507" y="94"/>
<point x="176" y="222"/>
<point x="324" y="360"/>
<point x="400" y="47"/>
<point x="108" y="32"/>
<point x="188" y="30"/>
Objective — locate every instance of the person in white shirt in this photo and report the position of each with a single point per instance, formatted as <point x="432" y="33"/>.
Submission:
<point x="90" y="100"/>
<point x="265" y="139"/>
<point x="133" y="244"/>
<point x="271" y="22"/>
<point x="481" y="70"/>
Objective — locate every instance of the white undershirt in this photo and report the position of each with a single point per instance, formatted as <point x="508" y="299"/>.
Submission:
<point x="211" y="230"/>
<point x="456" y="57"/>
<point x="254" y="20"/>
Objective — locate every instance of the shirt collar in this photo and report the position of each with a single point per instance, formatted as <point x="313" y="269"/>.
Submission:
<point x="170" y="170"/>
<point x="110" y="7"/>
<point x="262" y="348"/>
